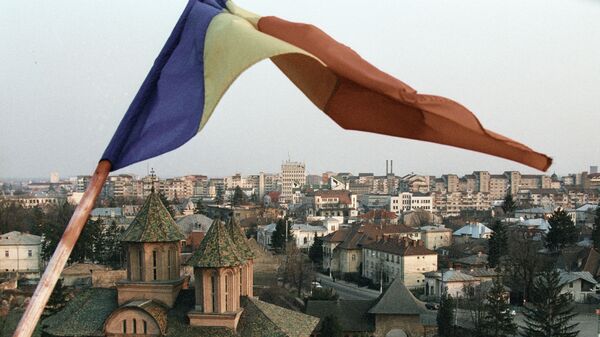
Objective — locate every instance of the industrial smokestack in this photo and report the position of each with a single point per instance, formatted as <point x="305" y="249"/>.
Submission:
<point x="386" y="167"/>
<point x="391" y="167"/>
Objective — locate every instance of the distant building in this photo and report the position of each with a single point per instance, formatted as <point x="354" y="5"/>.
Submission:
<point x="20" y="252"/>
<point x="394" y="258"/>
<point x="293" y="175"/>
<point x="474" y="231"/>
<point x="451" y="281"/>
<point x="436" y="237"/>
<point x="580" y="285"/>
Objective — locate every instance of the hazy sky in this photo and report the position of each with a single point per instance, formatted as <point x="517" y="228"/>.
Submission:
<point x="528" y="69"/>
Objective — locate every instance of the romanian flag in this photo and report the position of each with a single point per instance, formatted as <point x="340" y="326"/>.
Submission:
<point x="214" y="41"/>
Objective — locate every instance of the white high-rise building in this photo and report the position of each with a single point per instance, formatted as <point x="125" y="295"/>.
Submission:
<point x="293" y="175"/>
<point x="54" y="177"/>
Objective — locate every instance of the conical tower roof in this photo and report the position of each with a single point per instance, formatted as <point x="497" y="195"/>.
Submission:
<point x="398" y="300"/>
<point x="239" y="239"/>
<point x="217" y="249"/>
<point x="153" y="223"/>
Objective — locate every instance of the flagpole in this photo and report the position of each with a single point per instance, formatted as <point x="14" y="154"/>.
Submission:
<point x="61" y="254"/>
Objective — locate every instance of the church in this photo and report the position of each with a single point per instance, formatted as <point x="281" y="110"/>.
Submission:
<point x="155" y="300"/>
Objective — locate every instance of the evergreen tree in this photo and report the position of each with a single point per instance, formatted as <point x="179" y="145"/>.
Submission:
<point x="238" y="196"/>
<point x="498" y="244"/>
<point x="549" y="313"/>
<point x="57" y="218"/>
<point x="315" y="252"/>
<point x="498" y="321"/>
<point x="112" y="249"/>
<point x="509" y="206"/>
<point x="330" y="327"/>
<point x="445" y="316"/>
<point x="278" y="238"/>
<point x="596" y="229"/>
<point x="562" y="231"/>
<point x="90" y="243"/>
<point x="200" y="208"/>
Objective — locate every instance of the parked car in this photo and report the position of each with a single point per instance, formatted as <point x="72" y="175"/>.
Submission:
<point x="316" y="284"/>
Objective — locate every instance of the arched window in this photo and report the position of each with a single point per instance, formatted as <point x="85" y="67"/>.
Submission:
<point x="140" y="262"/>
<point x="154" y="265"/>
<point x="213" y="291"/>
<point x="145" y="327"/>
<point x="124" y="326"/>
<point x="134" y="326"/>
<point x="228" y="291"/>
<point x="170" y="265"/>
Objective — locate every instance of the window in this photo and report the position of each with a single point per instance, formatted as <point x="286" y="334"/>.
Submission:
<point x="227" y="292"/>
<point x="154" y="263"/>
<point x="213" y="290"/>
<point x="170" y="264"/>
<point x="124" y="326"/>
<point x="134" y="325"/>
<point x="145" y="327"/>
<point x="571" y="285"/>
<point x="353" y="257"/>
<point x="30" y="253"/>
<point x="140" y="262"/>
<point x="6" y="253"/>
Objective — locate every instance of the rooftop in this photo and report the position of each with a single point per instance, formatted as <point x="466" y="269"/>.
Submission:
<point x="18" y="238"/>
<point x="153" y="223"/>
<point x="217" y="249"/>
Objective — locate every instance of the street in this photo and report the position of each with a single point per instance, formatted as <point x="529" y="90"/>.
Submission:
<point x="347" y="291"/>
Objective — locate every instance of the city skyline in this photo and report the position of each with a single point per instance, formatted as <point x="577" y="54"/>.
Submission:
<point x="380" y="172"/>
<point x="528" y="71"/>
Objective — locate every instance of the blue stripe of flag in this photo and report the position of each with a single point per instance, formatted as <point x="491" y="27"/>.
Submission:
<point x="167" y="110"/>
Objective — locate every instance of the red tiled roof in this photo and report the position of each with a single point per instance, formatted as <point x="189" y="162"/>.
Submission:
<point x="402" y="247"/>
<point x="378" y="214"/>
<point x="343" y="196"/>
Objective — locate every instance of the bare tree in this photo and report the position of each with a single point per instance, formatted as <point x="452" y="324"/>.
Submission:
<point x="523" y="262"/>
<point x="297" y="269"/>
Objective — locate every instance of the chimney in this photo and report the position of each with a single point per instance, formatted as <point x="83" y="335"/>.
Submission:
<point x="386" y="167"/>
<point x="391" y="167"/>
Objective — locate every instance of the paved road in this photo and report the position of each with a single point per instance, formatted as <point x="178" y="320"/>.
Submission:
<point x="347" y="291"/>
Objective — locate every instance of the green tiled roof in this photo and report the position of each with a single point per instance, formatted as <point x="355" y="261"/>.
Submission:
<point x="264" y="319"/>
<point x="153" y="223"/>
<point x="217" y="249"/>
<point x="84" y="315"/>
<point x="353" y="315"/>
<point x="398" y="300"/>
<point x="239" y="239"/>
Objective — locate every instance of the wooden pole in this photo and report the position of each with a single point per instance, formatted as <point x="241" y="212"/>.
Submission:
<point x="61" y="254"/>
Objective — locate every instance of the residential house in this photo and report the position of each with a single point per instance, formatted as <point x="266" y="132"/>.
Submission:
<point x="436" y="237"/>
<point x="579" y="284"/>
<point x="398" y="258"/>
<point x="473" y="231"/>
<point x="449" y="281"/>
<point x="20" y="252"/>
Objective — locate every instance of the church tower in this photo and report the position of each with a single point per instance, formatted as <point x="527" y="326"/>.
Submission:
<point x="152" y="244"/>
<point x="247" y="269"/>
<point x="218" y="265"/>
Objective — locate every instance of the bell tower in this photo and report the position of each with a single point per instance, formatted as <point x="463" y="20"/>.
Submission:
<point x="218" y="268"/>
<point x="152" y="245"/>
<point x="247" y="269"/>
